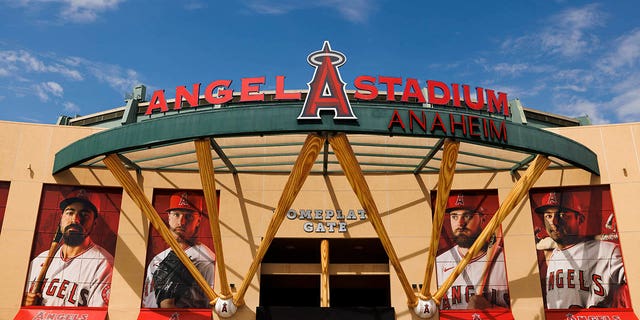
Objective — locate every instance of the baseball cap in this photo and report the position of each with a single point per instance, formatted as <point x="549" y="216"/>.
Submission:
<point x="562" y="201"/>
<point x="465" y="202"/>
<point x="82" y="196"/>
<point x="186" y="201"/>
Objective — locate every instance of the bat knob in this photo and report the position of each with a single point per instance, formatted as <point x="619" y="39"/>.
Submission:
<point x="426" y="309"/>
<point x="225" y="307"/>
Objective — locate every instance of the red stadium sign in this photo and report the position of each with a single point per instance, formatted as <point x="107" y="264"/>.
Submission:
<point x="327" y="91"/>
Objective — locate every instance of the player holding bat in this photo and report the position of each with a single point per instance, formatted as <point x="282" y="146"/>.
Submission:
<point x="483" y="283"/>
<point x="77" y="272"/>
<point x="168" y="283"/>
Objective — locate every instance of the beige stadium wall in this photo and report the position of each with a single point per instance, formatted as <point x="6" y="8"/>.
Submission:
<point x="247" y="203"/>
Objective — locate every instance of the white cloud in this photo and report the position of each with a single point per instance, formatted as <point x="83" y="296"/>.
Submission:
<point x="567" y="34"/>
<point x="71" y="107"/>
<point x="41" y="93"/>
<point x="45" y="89"/>
<point x="74" y="10"/>
<point x="54" y="87"/>
<point x="87" y="10"/>
<point x="626" y="100"/>
<point x="510" y="68"/>
<point x="15" y="61"/>
<point x="626" y="53"/>
<point x="571" y="87"/>
<point x="573" y="75"/>
<point x="518" y="68"/>
<point x="579" y="107"/>
<point x="45" y="75"/>
<point x="123" y="80"/>
<point x="356" y="11"/>
<point x="70" y="73"/>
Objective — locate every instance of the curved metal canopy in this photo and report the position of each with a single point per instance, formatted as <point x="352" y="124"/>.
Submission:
<point x="266" y="137"/>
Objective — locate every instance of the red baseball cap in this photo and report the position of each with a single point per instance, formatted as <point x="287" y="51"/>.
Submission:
<point x="185" y="201"/>
<point x="465" y="202"/>
<point x="82" y="196"/>
<point x="562" y="201"/>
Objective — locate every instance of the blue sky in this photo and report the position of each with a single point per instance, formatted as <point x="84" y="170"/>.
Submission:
<point x="77" y="57"/>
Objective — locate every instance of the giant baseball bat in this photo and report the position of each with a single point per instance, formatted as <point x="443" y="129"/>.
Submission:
<point x="493" y="255"/>
<point x="39" y="282"/>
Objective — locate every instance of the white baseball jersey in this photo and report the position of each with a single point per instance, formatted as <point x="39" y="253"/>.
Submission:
<point x="204" y="260"/>
<point x="463" y="288"/>
<point x="584" y="275"/>
<point x="84" y="280"/>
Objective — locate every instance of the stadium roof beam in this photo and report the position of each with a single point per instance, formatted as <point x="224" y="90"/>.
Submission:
<point x="223" y="156"/>
<point x="429" y="156"/>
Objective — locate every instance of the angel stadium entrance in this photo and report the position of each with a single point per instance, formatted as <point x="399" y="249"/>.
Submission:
<point x="330" y="203"/>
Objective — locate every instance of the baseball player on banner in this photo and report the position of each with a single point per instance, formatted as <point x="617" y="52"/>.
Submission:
<point x="483" y="283"/>
<point x="77" y="272"/>
<point x="168" y="283"/>
<point x="581" y="271"/>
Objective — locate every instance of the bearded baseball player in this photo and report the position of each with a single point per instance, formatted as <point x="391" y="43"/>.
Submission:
<point x="581" y="272"/>
<point x="80" y="270"/>
<point x="467" y="219"/>
<point x="168" y="283"/>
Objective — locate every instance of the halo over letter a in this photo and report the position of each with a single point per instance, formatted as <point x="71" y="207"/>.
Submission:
<point x="326" y="89"/>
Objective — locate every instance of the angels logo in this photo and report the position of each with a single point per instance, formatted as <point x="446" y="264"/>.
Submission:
<point x="184" y="200"/>
<point x="553" y="199"/>
<point x="326" y="89"/>
<point x="460" y="200"/>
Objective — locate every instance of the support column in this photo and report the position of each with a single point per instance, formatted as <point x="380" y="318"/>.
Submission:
<point x="324" y="274"/>
<point x="353" y="172"/>
<point x="299" y="173"/>
<point x="445" y="180"/>
<point x="207" y="176"/>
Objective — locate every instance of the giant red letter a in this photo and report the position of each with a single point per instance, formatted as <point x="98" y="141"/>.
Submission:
<point x="326" y="89"/>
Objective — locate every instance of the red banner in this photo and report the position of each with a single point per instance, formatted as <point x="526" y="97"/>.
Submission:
<point x="73" y="313"/>
<point x="500" y="314"/>
<point x="175" y="314"/>
<point x="590" y="314"/>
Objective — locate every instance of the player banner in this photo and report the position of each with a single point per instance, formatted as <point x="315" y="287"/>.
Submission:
<point x="483" y="283"/>
<point x="168" y="283"/>
<point x="72" y="255"/>
<point x="579" y="255"/>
